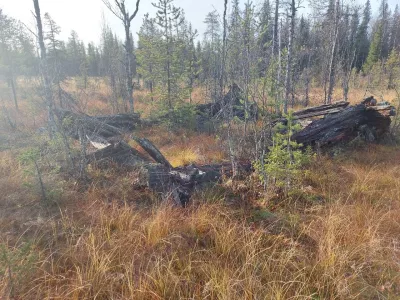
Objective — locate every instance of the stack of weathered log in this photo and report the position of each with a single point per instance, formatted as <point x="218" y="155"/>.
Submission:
<point x="342" y="123"/>
<point x="102" y="127"/>
<point x="327" y="125"/>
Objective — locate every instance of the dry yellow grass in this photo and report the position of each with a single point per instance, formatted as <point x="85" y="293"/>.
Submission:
<point x="344" y="246"/>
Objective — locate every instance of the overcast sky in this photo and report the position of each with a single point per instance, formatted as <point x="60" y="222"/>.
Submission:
<point x="84" y="16"/>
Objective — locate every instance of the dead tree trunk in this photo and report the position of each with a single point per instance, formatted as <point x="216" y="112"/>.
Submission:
<point x="289" y="55"/>
<point x="275" y="48"/>
<point x="104" y="127"/>
<point x="44" y="71"/>
<point x="129" y="64"/>
<point x="332" y="61"/>
<point x="122" y="13"/>
<point x="221" y="78"/>
<point x="14" y="92"/>
<point x="153" y="151"/>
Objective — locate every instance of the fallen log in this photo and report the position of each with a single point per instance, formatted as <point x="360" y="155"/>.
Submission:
<point x="341" y="122"/>
<point x="363" y="119"/>
<point x="152" y="151"/>
<point x="106" y="127"/>
<point x="316" y="111"/>
<point x="321" y="108"/>
<point x="120" y="153"/>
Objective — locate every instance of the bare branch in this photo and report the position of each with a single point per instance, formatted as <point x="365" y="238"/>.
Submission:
<point x="136" y="11"/>
<point x="30" y="30"/>
<point x="112" y="9"/>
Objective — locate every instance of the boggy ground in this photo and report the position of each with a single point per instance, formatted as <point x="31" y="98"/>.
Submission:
<point x="336" y="237"/>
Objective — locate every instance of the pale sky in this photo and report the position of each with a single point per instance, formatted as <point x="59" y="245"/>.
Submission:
<point x="84" y="16"/>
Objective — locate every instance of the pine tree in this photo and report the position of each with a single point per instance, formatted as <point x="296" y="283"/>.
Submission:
<point x="149" y="54"/>
<point x="393" y="69"/>
<point x="234" y="43"/>
<point x="284" y="162"/>
<point x="167" y="16"/>
<point x="212" y="53"/>
<point x="265" y="34"/>
<point x="55" y="54"/>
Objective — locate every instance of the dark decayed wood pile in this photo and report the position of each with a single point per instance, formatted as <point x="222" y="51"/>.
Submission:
<point x="232" y="105"/>
<point x="221" y="109"/>
<point x="369" y="119"/>
<point x="328" y="125"/>
<point x="157" y="173"/>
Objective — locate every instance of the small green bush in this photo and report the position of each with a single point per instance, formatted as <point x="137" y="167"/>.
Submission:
<point x="283" y="164"/>
<point x="182" y="115"/>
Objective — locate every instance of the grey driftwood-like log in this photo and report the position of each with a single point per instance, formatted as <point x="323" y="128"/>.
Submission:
<point x="98" y="127"/>
<point x="317" y="111"/>
<point x="119" y="153"/>
<point x="368" y="119"/>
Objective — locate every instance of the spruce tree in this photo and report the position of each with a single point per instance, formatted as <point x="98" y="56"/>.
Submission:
<point x="362" y="40"/>
<point x="375" y="49"/>
<point x="55" y="54"/>
<point x="166" y="18"/>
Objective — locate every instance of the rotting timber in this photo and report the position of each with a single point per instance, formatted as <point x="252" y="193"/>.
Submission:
<point x="369" y="119"/>
<point x="326" y="125"/>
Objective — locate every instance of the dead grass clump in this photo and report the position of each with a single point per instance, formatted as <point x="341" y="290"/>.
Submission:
<point x="170" y="253"/>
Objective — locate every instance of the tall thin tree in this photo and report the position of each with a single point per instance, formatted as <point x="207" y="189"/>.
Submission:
<point x="43" y="69"/>
<point x="288" y="75"/>
<point x="122" y="13"/>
